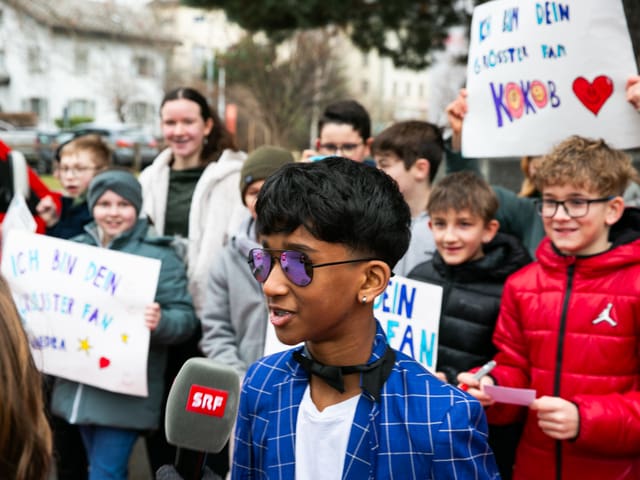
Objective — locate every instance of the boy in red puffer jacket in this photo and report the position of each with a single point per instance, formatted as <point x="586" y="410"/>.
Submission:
<point x="569" y="324"/>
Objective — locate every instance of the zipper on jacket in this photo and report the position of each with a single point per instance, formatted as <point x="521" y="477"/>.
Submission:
<point x="559" y="355"/>
<point x="76" y="404"/>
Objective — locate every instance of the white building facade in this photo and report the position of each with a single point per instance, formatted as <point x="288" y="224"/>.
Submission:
<point x="83" y="58"/>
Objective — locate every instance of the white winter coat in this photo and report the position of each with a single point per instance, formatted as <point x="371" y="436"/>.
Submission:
<point x="215" y="214"/>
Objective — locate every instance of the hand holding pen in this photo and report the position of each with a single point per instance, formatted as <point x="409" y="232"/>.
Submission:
<point x="471" y="383"/>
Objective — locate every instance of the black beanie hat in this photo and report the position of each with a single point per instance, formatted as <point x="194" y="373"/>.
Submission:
<point x="261" y="163"/>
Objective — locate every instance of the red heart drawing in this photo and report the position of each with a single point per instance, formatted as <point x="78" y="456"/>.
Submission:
<point x="593" y="95"/>
<point x="104" y="362"/>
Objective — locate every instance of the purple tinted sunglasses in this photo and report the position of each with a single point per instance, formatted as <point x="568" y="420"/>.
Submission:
<point x="295" y="265"/>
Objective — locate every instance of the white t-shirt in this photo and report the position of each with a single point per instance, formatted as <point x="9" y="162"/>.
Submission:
<point x="322" y="437"/>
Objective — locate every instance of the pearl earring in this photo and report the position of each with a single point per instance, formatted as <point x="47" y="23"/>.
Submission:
<point x="364" y="299"/>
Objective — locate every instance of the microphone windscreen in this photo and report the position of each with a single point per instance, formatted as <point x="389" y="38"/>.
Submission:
<point x="168" y="472"/>
<point x="202" y="406"/>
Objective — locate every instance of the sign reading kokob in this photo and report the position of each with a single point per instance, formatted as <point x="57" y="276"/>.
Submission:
<point x="539" y="72"/>
<point x="83" y="309"/>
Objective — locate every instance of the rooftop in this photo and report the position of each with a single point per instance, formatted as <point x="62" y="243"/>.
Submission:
<point x="107" y="19"/>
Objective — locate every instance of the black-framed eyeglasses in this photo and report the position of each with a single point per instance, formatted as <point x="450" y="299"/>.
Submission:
<point x="332" y="148"/>
<point x="296" y="265"/>
<point x="574" y="207"/>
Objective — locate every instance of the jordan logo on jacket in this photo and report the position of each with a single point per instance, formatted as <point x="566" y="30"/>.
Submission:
<point x="605" y="316"/>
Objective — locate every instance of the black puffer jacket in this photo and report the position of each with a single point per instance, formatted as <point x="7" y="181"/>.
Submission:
<point x="471" y="301"/>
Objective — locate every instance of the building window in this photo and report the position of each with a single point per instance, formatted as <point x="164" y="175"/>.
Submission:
<point x="197" y="57"/>
<point x="365" y="59"/>
<point x="80" y="107"/>
<point x="421" y="90"/>
<point x="365" y="86"/>
<point x="394" y="89"/>
<point x="1" y="18"/>
<point x="36" y="105"/>
<point x="143" y="66"/>
<point x="141" y="113"/>
<point x="81" y="61"/>
<point x="407" y="90"/>
<point x="34" y="60"/>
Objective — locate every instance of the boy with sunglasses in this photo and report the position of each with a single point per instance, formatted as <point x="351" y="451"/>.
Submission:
<point x="344" y="405"/>
<point x="569" y="324"/>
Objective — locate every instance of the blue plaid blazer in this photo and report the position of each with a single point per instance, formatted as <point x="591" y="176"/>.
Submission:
<point x="421" y="428"/>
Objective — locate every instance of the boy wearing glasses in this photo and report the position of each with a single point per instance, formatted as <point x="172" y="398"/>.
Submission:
<point x="79" y="161"/>
<point x="569" y="324"/>
<point x="343" y="129"/>
<point x="344" y="405"/>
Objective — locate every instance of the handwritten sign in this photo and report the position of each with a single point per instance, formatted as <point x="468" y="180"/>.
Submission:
<point x="83" y="308"/>
<point x="409" y="312"/>
<point x="539" y="72"/>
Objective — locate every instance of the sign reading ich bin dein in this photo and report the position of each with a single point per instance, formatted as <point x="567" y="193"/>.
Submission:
<point x="541" y="71"/>
<point x="83" y="309"/>
<point x="409" y="312"/>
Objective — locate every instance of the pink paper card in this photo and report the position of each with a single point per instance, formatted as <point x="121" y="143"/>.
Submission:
<point x="515" y="396"/>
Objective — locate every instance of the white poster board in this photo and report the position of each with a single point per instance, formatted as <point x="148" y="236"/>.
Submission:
<point x="409" y="312"/>
<point x="83" y="309"/>
<point x="539" y="72"/>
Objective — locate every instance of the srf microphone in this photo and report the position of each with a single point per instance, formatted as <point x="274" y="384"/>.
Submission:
<point x="202" y="407"/>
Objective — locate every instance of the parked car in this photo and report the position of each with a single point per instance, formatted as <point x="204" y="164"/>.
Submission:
<point x="132" y="146"/>
<point x="22" y="139"/>
<point x="46" y="145"/>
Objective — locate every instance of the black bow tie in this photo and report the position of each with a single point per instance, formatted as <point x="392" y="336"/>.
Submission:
<point x="373" y="375"/>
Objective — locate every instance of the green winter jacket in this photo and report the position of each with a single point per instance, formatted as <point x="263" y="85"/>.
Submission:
<point x="87" y="405"/>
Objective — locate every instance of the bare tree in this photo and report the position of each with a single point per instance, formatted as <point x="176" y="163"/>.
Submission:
<point x="277" y="87"/>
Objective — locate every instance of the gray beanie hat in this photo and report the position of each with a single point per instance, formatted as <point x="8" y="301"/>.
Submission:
<point x="261" y="163"/>
<point x="118" y="181"/>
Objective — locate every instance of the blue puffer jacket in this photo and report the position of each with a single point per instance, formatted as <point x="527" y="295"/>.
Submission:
<point x="84" y="404"/>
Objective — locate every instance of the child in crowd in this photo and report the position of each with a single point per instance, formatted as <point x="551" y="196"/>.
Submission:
<point x="471" y="263"/>
<point x="110" y="422"/>
<point x="344" y="127"/>
<point x="25" y="437"/>
<point x="234" y="317"/>
<point x="569" y="323"/>
<point x="79" y="161"/>
<point x="344" y="405"/>
<point x="410" y="152"/>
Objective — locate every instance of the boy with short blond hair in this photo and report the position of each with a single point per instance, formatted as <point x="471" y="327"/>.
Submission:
<point x="569" y="323"/>
<point x="80" y="160"/>
<point x="471" y="264"/>
<point x="410" y="152"/>
<point x="464" y="191"/>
